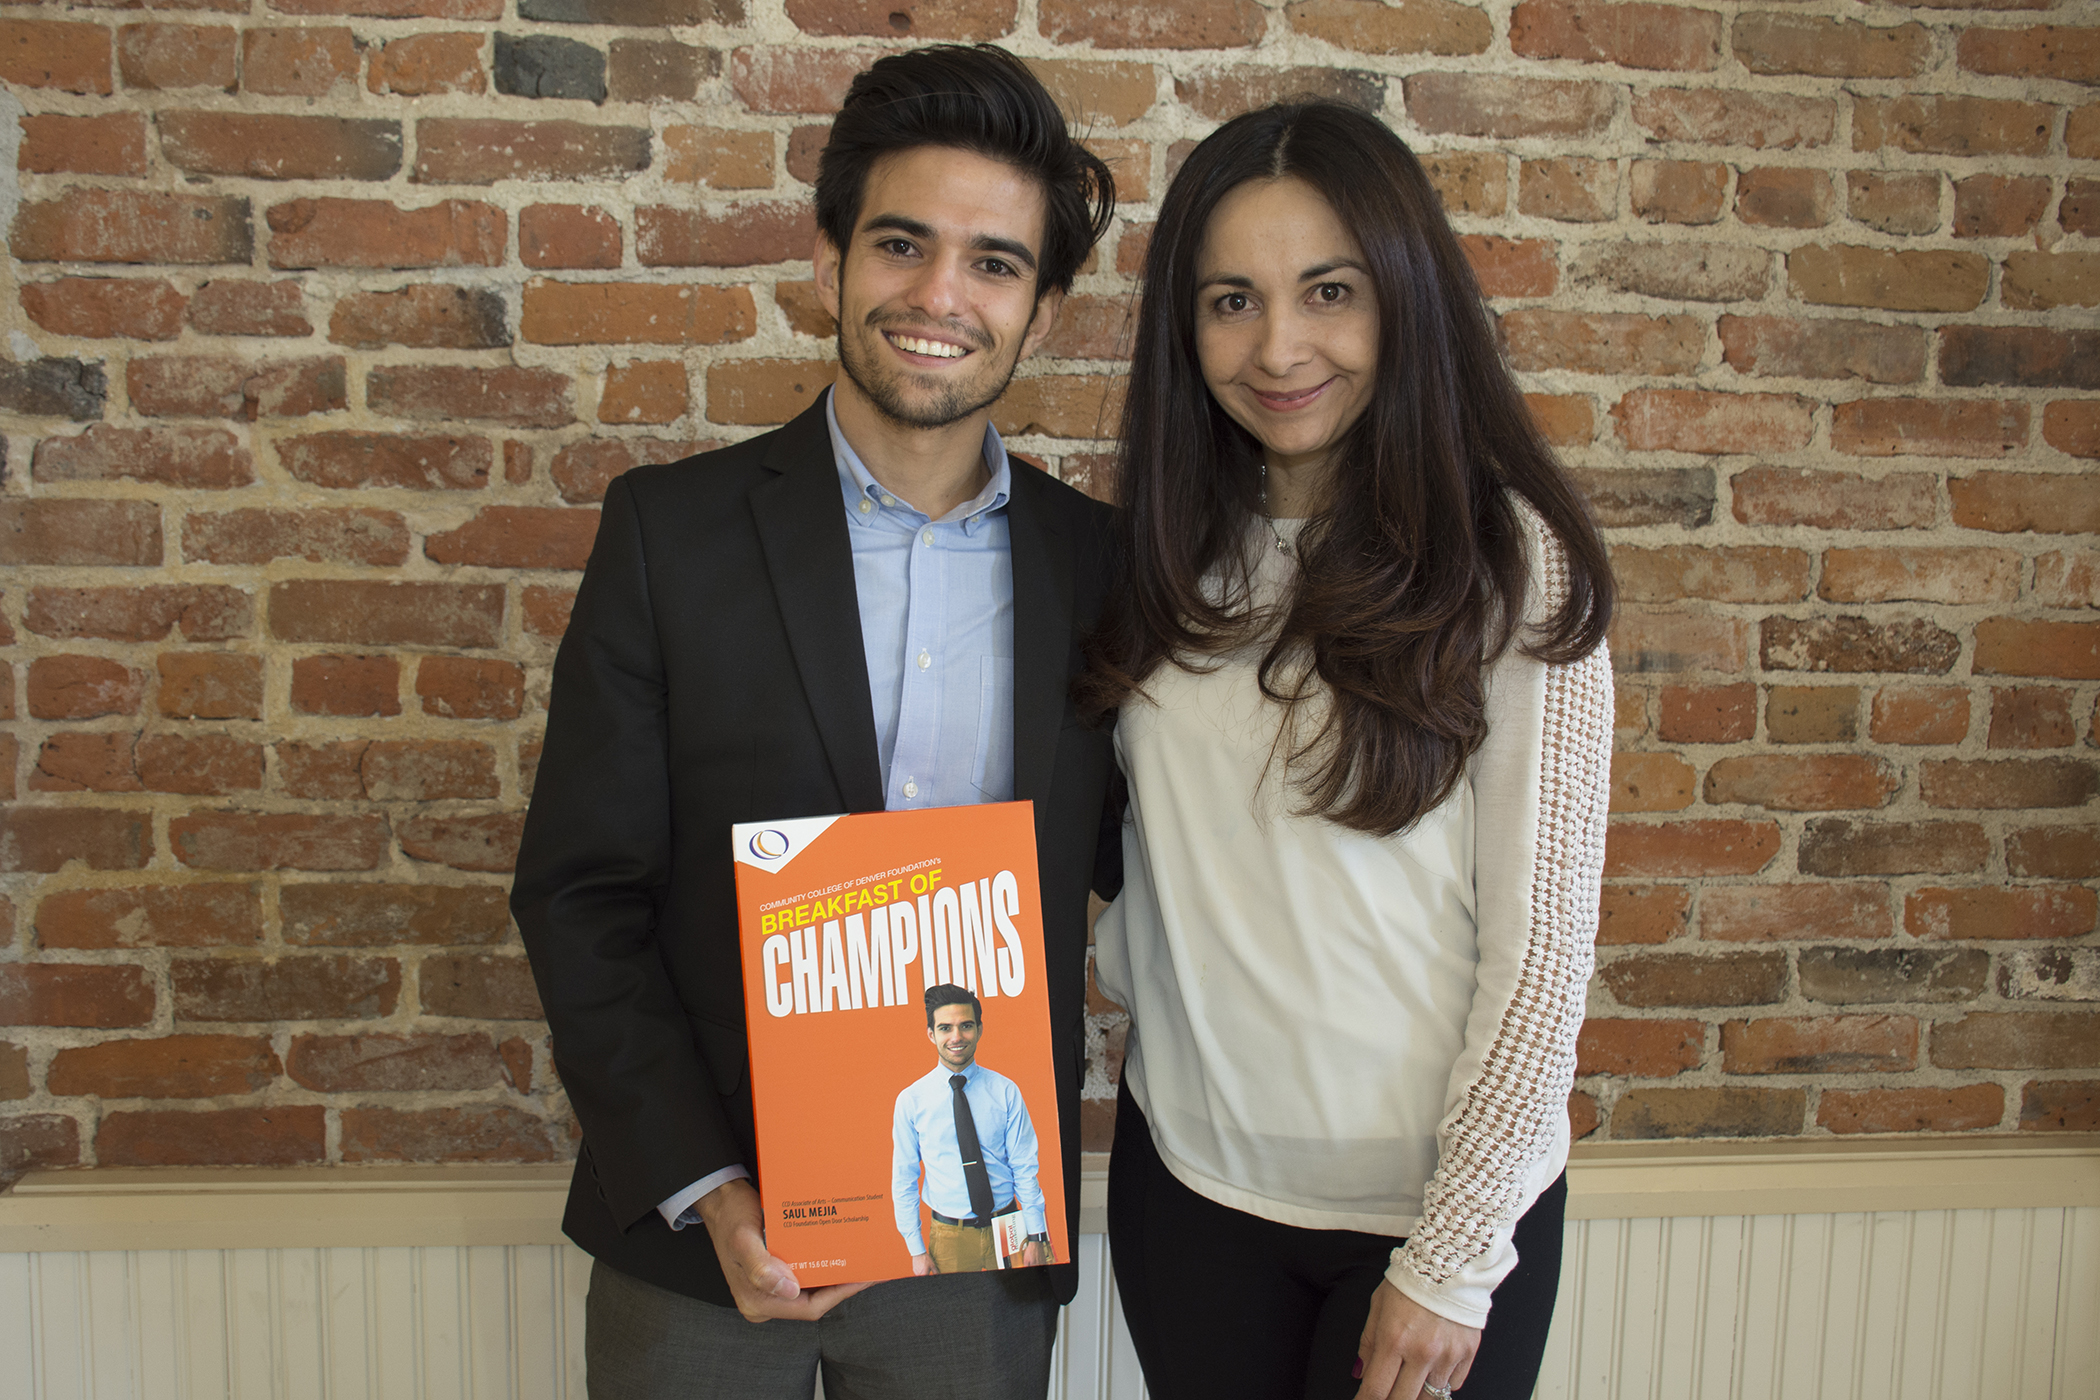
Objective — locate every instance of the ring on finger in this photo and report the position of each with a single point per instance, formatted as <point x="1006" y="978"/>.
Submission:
<point x="1436" y="1392"/>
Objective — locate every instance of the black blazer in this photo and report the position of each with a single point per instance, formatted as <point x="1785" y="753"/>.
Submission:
<point x="713" y="673"/>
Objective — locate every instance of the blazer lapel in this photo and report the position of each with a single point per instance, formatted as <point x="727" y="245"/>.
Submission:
<point x="801" y="519"/>
<point x="1042" y="564"/>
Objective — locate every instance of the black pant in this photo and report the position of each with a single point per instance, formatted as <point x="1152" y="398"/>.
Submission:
<point x="1223" y="1304"/>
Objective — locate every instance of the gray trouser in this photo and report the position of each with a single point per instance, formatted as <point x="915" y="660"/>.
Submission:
<point x="949" y="1337"/>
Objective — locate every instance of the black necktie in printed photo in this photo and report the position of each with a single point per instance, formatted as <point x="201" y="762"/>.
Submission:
<point x="974" y="1174"/>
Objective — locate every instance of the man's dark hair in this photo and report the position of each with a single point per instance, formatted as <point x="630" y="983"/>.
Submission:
<point x="948" y="994"/>
<point x="976" y="98"/>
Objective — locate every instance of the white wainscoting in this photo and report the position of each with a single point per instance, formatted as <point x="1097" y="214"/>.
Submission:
<point x="1918" y="1271"/>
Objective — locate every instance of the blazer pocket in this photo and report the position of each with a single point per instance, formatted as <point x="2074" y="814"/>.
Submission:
<point x="992" y="769"/>
<point x="726" y="1051"/>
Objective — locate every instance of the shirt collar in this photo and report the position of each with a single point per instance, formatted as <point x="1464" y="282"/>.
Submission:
<point x="859" y="484"/>
<point x="944" y="1074"/>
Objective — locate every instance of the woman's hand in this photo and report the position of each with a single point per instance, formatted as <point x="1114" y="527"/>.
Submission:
<point x="1405" y="1347"/>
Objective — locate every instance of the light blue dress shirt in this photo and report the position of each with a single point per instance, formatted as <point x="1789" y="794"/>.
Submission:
<point x="923" y="1131"/>
<point x="937" y="625"/>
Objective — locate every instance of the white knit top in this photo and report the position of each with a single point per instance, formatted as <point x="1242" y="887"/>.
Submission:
<point x="1336" y="1030"/>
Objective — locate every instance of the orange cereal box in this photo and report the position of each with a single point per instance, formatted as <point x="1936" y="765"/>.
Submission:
<point x="899" y="1024"/>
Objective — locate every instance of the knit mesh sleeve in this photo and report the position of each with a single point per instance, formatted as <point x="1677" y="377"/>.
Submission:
<point x="1510" y="1117"/>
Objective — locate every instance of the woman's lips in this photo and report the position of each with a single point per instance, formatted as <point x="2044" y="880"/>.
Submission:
<point x="1293" y="399"/>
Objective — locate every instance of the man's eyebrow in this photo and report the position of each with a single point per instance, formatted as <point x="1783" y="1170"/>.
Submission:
<point x="983" y="242"/>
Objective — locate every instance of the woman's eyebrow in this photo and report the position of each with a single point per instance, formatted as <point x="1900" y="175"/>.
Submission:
<point x="1322" y="269"/>
<point x="1227" y="279"/>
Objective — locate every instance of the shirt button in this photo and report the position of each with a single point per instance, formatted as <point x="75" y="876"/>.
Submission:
<point x="866" y="506"/>
<point x="925" y="660"/>
<point x="911" y="789"/>
<point x="889" y="500"/>
<point x="926" y="535"/>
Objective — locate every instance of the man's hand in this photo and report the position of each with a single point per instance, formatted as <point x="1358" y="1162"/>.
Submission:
<point x="922" y="1265"/>
<point x="764" y="1287"/>
<point x="1034" y="1253"/>
<point x="1405" y="1347"/>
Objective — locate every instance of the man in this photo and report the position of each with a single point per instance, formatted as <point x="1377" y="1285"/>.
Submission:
<point x="969" y="1127"/>
<point x="869" y="608"/>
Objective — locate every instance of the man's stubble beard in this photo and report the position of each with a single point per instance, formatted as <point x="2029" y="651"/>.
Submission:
<point x="951" y="403"/>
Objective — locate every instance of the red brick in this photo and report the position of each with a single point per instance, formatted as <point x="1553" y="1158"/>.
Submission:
<point x="481" y="151"/>
<point x="32" y="1140"/>
<point x="1722" y="117"/>
<point x="1642" y="913"/>
<point x="1641" y="1049"/>
<point x="349" y="460"/>
<point x="517" y="1053"/>
<point x="628" y="313"/>
<point x="249" y="308"/>
<point x="170" y="1067"/>
<point x="467" y="1134"/>
<point x="1676" y="271"/>
<point x="765" y="392"/>
<point x="1170" y="24"/>
<point x="1505" y="108"/>
<point x="2018" y="1040"/>
<point x="1820" y="1045"/>
<point x="1630" y="35"/>
<point x="805" y="148"/>
<point x="424" y="770"/>
<point x="200" y="458"/>
<point x="2008" y="783"/>
<point x="426" y="65"/>
<point x="512" y="394"/>
<point x="1656" y="640"/>
<point x="922" y="20"/>
<point x="479" y="986"/>
<point x="2012" y="646"/>
<point x="1841" y="847"/>
<point x="584" y="469"/>
<point x="66" y="994"/>
<point x="1812" y="714"/>
<point x="1739" y="573"/>
<point x="297" y="62"/>
<point x="1566" y="420"/>
<point x="2078" y="213"/>
<point x="2058" y="1105"/>
<point x="36" y="53"/>
<point x="487" y="843"/>
<point x="1136" y="238"/>
<point x="171" y="56"/>
<point x="377" y="916"/>
<point x="1679" y="191"/>
<point x="1683" y="849"/>
<point x="1892" y="280"/>
<point x="203" y="612"/>
<point x="279" y="147"/>
<point x="1952" y="126"/>
<point x="395" y="9"/>
<point x="1920" y="573"/>
<point x="2082" y="131"/>
<point x="1785" y="913"/>
<point x="2054" y="852"/>
<point x="1708" y="714"/>
<point x="217" y="386"/>
<point x="568" y="235"/>
<point x="1807" y="783"/>
<point x="1650" y="782"/>
<point x="199" y="764"/>
<point x="1061" y="405"/>
<point x="209" y="915"/>
<point x="257" y="536"/>
<point x="1962" y="1109"/>
<point x="125" y="226"/>
<point x="645" y="391"/>
<point x="1930" y="427"/>
<point x="106" y="308"/>
<point x="1920" y="714"/>
<point x="795" y="79"/>
<point x="334" y="1064"/>
<point x="459" y="687"/>
<point x="751" y="233"/>
<point x="2068" y="579"/>
<point x="295" y="987"/>
<point x="718" y="157"/>
<point x="1900" y="204"/>
<point x="97" y="762"/>
<point x="1728" y="1112"/>
<point x="210" y="685"/>
<point x="14" y="1079"/>
<point x="205" y="840"/>
<point x="1893" y="973"/>
<point x="387" y="614"/>
<point x="322" y="771"/>
<point x="53" y="144"/>
<point x="1506" y="267"/>
<point x="1367" y="26"/>
<point x="2037" y="281"/>
<point x="1899" y="645"/>
<point x="1784" y="197"/>
<point x="1219" y="93"/>
<point x="1712" y="979"/>
<point x="1834" y="500"/>
<point x="426" y="315"/>
<point x="1999" y="206"/>
<point x="1830" y="48"/>
<point x="280" y="1136"/>
<point x="2031" y="717"/>
<point x="546" y="609"/>
<point x="1602" y="343"/>
<point x="2073" y="426"/>
<point x="2019" y="911"/>
<point x="519" y="537"/>
<point x="2023" y="356"/>
<point x="63" y="531"/>
<point x="82" y="687"/>
<point x="2043" y="51"/>
<point x="1693" y="420"/>
<point x="346" y="685"/>
<point x="517" y="462"/>
<point x="373" y="233"/>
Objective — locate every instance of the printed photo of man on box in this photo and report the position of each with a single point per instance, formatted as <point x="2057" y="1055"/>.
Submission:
<point x="968" y="1126"/>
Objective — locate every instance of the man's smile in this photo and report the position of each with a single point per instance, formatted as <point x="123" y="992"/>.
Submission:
<point x="920" y="345"/>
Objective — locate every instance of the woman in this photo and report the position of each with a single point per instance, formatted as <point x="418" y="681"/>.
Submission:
<point x="1365" y="713"/>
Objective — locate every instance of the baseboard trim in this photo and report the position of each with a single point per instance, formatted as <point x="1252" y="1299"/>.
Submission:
<point x="328" y="1207"/>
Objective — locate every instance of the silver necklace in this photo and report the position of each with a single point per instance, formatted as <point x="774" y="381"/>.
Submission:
<point x="1282" y="545"/>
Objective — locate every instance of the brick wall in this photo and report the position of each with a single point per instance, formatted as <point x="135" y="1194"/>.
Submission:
<point x="330" y="320"/>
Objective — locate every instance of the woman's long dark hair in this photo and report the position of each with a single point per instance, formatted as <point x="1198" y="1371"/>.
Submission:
<point x="1413" y="573"/>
